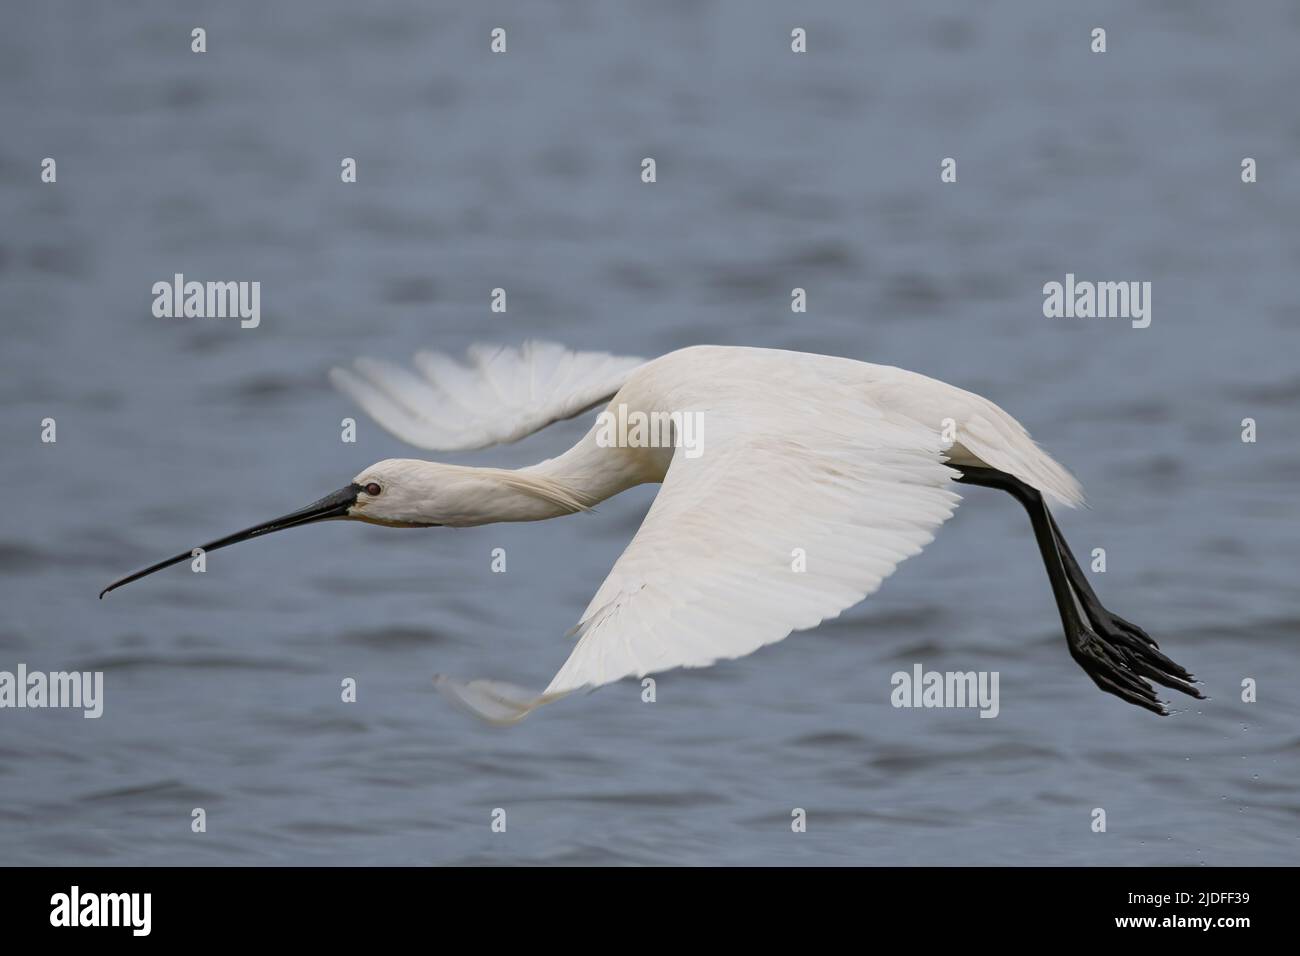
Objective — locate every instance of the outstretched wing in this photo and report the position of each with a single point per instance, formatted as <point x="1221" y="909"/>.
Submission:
<point x="768" y="531"/>
<point x="503" y="394"/>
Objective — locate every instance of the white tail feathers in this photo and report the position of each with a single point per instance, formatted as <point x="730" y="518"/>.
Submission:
<point x="985" y="434"/>
<point x="1001" y="442"/>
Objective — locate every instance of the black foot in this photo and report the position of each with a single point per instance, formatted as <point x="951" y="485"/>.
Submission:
<point x="1119" y="661"/>
<point x="1119" y="657"/>
<point x="1108" y="642"/>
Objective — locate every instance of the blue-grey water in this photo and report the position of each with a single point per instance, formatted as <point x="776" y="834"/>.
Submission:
<point x="522" y="170"/>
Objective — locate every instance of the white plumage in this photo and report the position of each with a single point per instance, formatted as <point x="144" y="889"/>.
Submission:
<point x="842" y="461"/>
<point x="503" y="395"/>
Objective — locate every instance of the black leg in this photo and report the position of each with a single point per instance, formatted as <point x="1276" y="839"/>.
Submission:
<point x="1147" y="658"/>
<point x="1117" y="655"/>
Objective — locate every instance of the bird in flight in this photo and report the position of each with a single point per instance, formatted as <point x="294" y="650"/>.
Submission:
<point x="852" y="465"/>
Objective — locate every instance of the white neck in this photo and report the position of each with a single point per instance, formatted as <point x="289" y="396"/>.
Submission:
<point x="591" y="472"/>
<point x="422" y="492"/>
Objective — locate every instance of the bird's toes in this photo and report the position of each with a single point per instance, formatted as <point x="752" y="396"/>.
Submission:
<point x="1113" y="670"/>
<point x="1174" y="681"/>
<point x="1143" y="696"/>
<point x="1139" y="653"/>
<point x="1128" y="628"/>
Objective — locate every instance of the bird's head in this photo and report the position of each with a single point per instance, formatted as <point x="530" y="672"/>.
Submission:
<point x="396" y="492"/>
<point x="399" y="493"/>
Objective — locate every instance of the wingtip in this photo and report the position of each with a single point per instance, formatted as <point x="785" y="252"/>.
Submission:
<point x="344" y="380"/>
<point x="493" y="702"/>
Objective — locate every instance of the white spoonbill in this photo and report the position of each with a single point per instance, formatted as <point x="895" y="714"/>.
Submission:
<point x="843" y="459"/>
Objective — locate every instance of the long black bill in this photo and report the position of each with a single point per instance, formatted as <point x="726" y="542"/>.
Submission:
<point x="331" y="506"/>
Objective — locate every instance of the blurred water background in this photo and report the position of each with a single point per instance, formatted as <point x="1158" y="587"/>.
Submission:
<point x="522" y="171"/>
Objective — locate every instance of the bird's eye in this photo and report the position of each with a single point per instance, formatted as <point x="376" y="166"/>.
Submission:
<point x="373" y="489"/>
